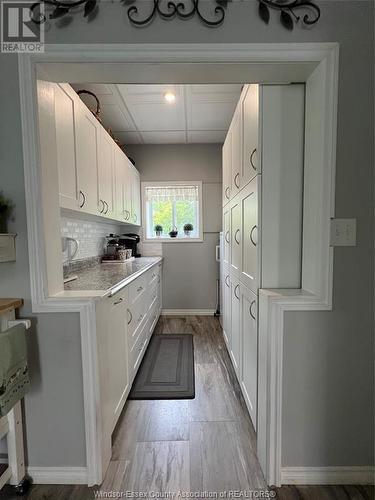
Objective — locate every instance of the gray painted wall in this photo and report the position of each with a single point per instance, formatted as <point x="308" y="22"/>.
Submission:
<point x="190" y="270"/>
<point x="329" y="391"/>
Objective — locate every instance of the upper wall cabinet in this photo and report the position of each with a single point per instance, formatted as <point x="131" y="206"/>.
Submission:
<point x="250" y="165"/>
<point x="87" y="130"/>
<point x="66" y="148"/>
<point x="95" y="176"/>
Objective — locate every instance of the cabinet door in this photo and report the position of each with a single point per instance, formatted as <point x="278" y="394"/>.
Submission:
<point x="135" y="197"/>
<point x="105" y="174"/>
<point x="236" y="151"/>
<point x="118" y="355"/>
<point x="249" y="252"/>
<point x="249" y="334"/>
<point x="121" y="186"/>
<point x="226" y="236"/>
<point x="87" y="137"/>
<point x="227" y="168"/>
<point x="236" y="237"/>
<point x="251" y="156"/>
<point x="227" y="306"/>
<point x="235" y="346"/>
<point x="66" y="149"/>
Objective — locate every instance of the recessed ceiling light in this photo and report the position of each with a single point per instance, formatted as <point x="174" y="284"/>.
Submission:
<point x="169" y="97"/>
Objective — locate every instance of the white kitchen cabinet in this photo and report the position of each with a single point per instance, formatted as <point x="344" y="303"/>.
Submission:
<point x="250" y="266"/>
<point x="66" y="147"/>
<point x="118" y="353"/>
<point x="119" y="185"/>
<point x="227" y="168"/>
<point x="135" y="183"/>
<point x="236" y="236"/>
<point x="249" y="337"/>
<point x="87" y="132"/>
<point x="106" y="174"/>
<point x="236" y="142"/>
<point x="235" y="345"/>
<point x="250" y="165"/>
<point x="226" y="236"/>
<point x="227" y="304"/>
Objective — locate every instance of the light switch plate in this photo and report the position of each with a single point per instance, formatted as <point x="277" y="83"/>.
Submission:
<point x="343" y="232"/>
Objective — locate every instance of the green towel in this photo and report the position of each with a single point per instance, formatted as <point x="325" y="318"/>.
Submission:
<point x="14" y="375"/>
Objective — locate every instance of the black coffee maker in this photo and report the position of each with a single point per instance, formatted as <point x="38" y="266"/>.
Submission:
<point x="130" y="240"/>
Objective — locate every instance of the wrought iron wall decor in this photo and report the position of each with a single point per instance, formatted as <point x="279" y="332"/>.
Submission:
<point x="287" y="8"/>
<point x="182" y="9"/>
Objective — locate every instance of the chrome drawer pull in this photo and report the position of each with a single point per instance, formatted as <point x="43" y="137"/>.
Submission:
<point x="251" y="235"/>
<point x="118" y="301"/>
<point x="227" y="280"/>
<point x="103" y="206"/>
<point x="227" y="193"/>
<point x="139" y="289"/>
<point x="234" y="291"/>
<point x="251" y="310"/>
<point x="130" y="316"/>
<point x="251" y="159"/>
<point x="227" y="236"/>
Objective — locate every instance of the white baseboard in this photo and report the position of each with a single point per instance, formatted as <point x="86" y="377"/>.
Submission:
<point x="187" y="312"/>
<point x="58" y="475"/>
<point x="328" y="475"/>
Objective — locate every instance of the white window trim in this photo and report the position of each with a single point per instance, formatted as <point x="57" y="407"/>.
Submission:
<point x="145" y="239"/>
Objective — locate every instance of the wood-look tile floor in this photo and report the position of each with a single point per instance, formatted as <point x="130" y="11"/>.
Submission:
<point x="202" y="445"/>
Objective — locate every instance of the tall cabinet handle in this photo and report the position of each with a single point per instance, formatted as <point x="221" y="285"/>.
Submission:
<point x="130" y="316"/>
<point x="107" y="207"/>
<point x="234" y="291"/>
<point x="103" y="206"/>
<point x="237" y="176"/>
<point x="251" y="235"/>
<point x="251" y="159"/>
<point x="251" y="310"/>
<point x="227" y="279"/>
<point x="227" y="193"/>
<point x="227" y="236"/>
<point x="84" y="198"/>
<point x="235" y="236"/>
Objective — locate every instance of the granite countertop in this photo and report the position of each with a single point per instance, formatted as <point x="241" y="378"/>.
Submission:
<point x="110" y="277"/>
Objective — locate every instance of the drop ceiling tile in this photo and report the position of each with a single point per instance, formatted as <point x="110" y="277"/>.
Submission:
<point x="210" y="115"/>
<point x="170" y="137"/>
<point x="206" y="137"/>
<point x="148" y="93"/>
<point x="128" y="137"/>
<point x="113" y="116"/>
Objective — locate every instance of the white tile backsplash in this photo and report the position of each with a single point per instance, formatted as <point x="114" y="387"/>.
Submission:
<point x="90" y="236"/>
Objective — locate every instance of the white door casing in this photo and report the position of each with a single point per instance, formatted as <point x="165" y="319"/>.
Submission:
<point x="320" y="157"/>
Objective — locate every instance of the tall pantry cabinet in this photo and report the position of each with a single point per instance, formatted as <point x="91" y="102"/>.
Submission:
<point x="262" y="216"/>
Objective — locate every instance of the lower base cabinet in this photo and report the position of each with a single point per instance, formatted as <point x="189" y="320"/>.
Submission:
<point x="124" y="325"/>
<point x="249" y="337"/>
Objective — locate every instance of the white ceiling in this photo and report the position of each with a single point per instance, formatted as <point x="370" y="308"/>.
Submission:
<point x="139" y="114"/>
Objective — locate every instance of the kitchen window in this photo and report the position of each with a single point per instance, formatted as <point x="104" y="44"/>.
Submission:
<point x="172" y="211"/>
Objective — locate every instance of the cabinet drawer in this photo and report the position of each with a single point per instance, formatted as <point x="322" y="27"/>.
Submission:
<point x="137" y="351"/>
<point x="153" y="276"/>
<point x="137" y="318"/>
<point x="137" y="289"/>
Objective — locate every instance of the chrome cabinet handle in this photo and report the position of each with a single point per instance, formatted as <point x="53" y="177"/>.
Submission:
<point x="227" y="280"/>
<point x="227" y="236"/>
<point x="118" y="301"/>
<point x="139" y="289"/>
<point x="251" y="235"/>
<point x="235" y="236"/>
<point x="234" y="291"/>
<point x="103" y="206"/>
<point x="251" y="310"/>
<point x="237" y="176"/>
<point x="251" y="159"/>
<point x="106" y="204"/>
<point x="130" y="315"/>
<point x="84" y="198"/>
<point x="227" y="192"/>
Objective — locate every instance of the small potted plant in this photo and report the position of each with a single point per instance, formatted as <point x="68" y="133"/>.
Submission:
<point x="6" y="209"/>
<point x="188" y="229"/>
<point x="158" y="229"/>
<point x="173" y="233"/>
